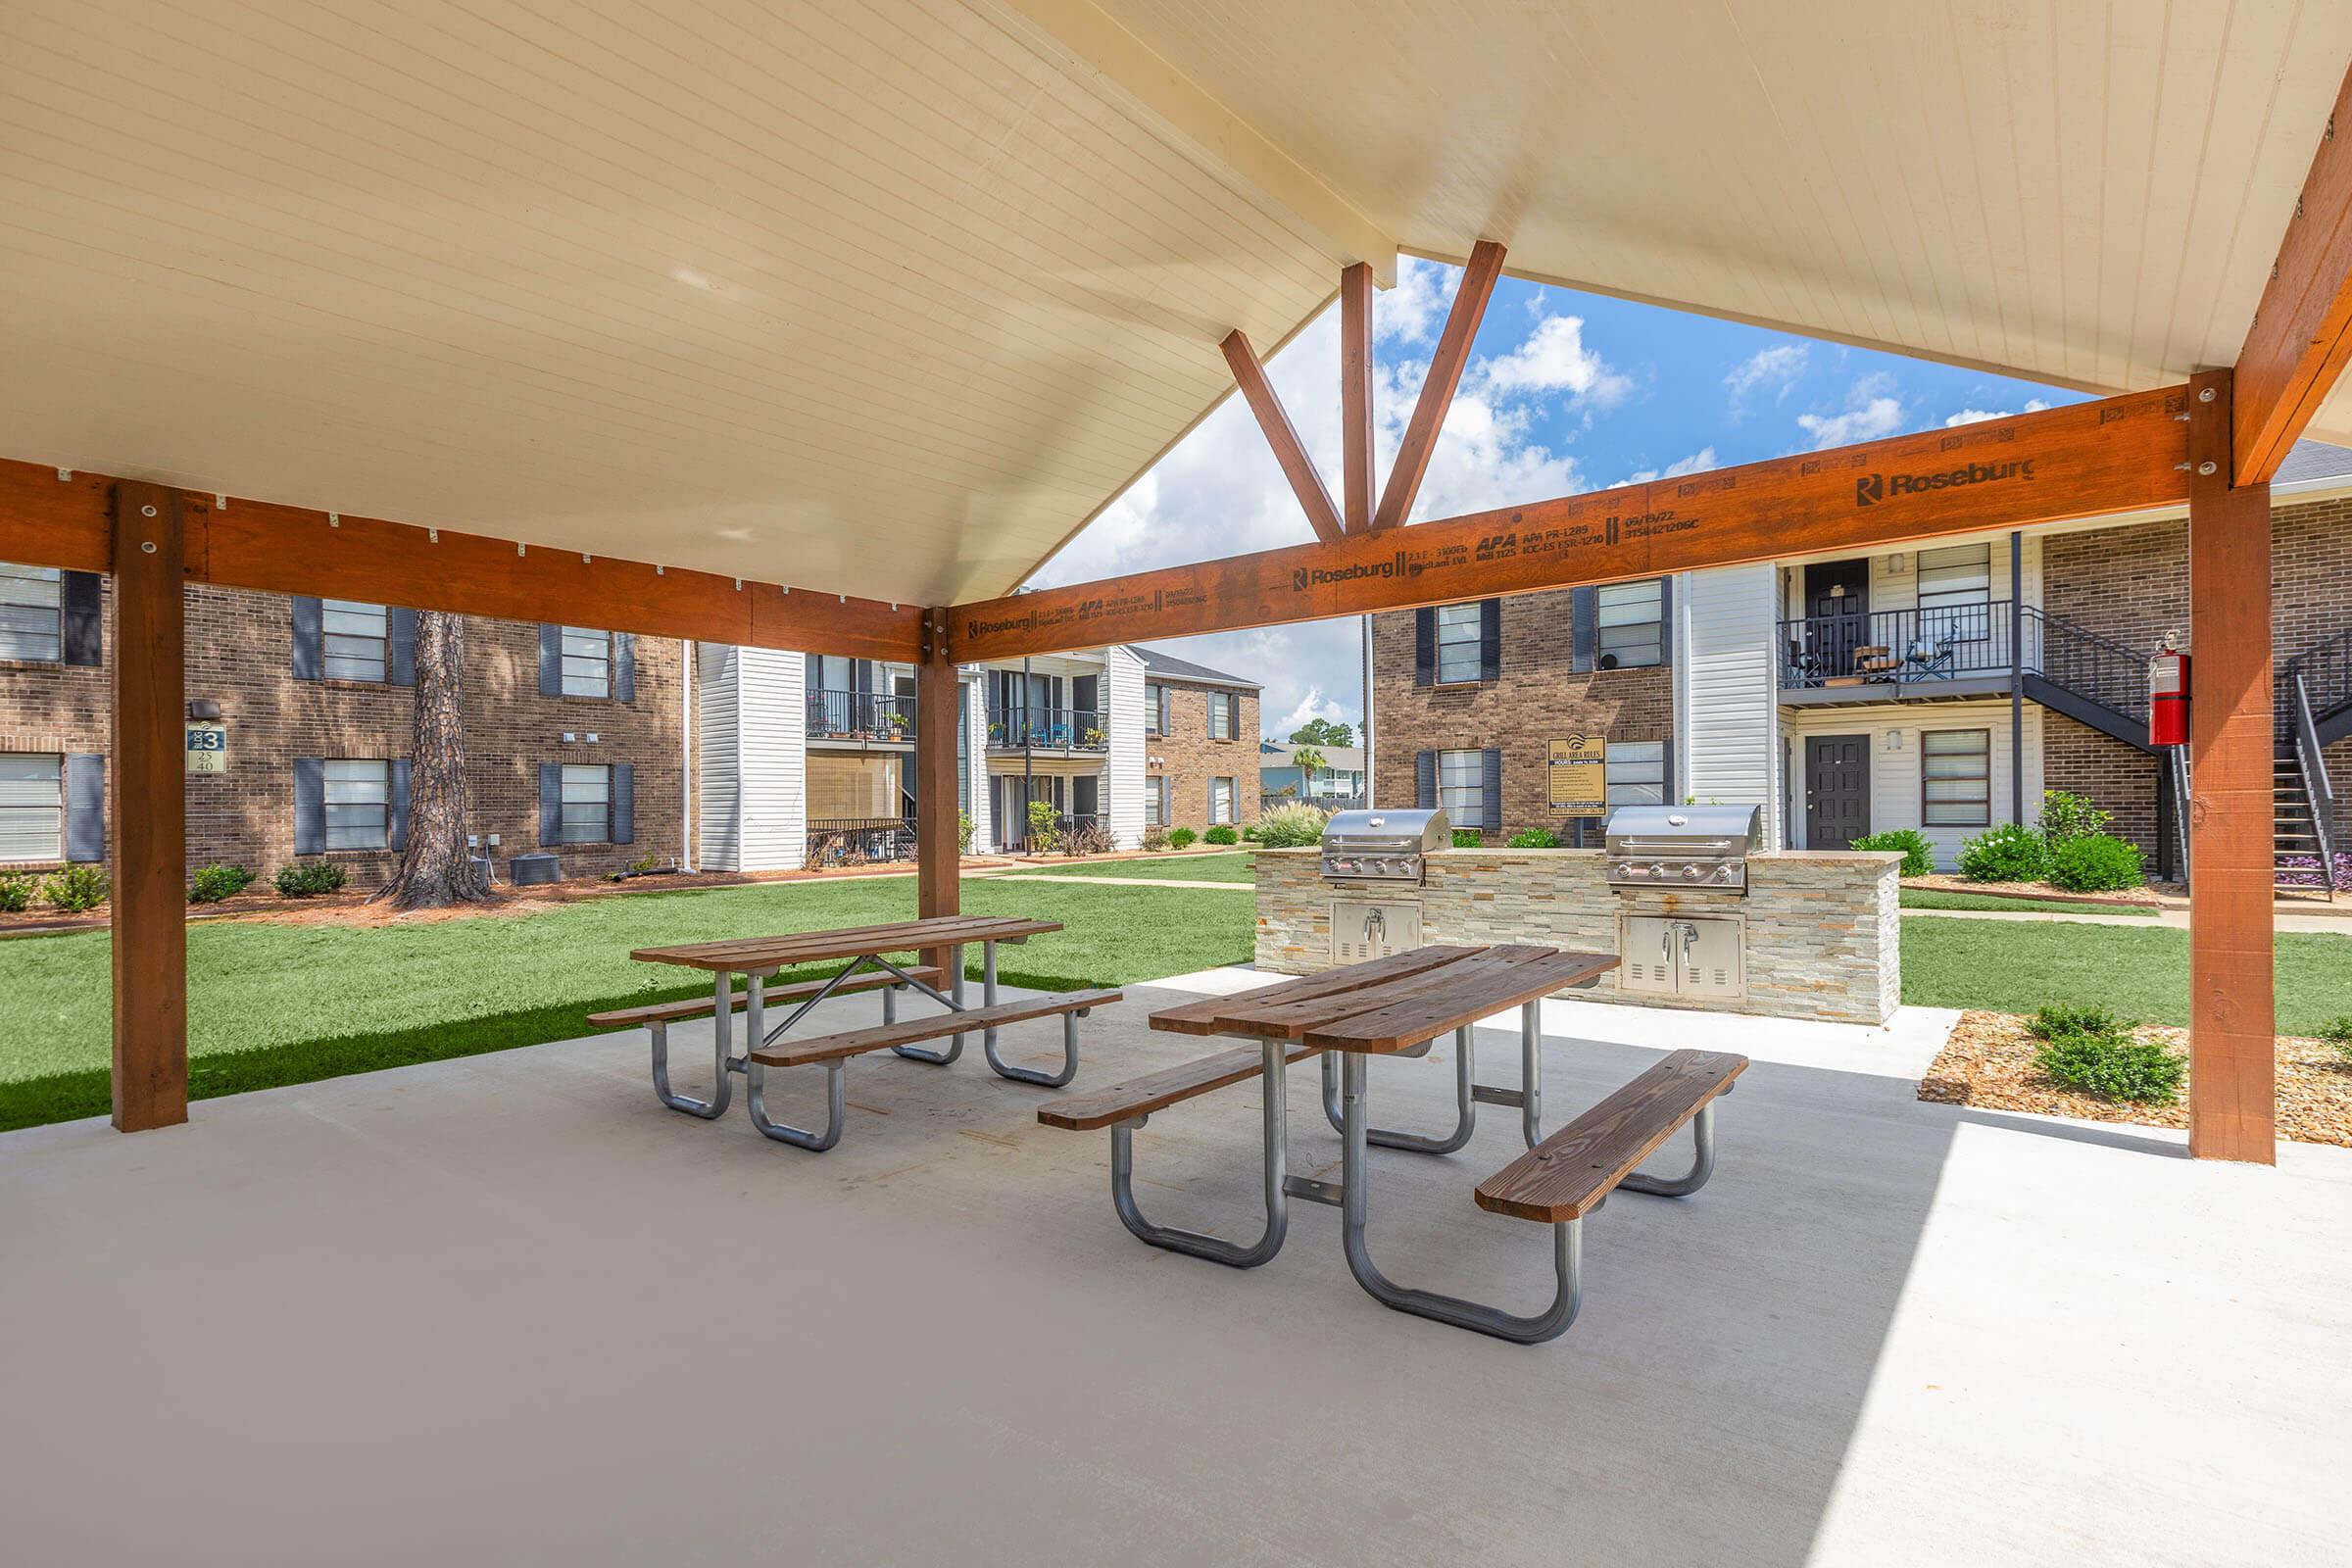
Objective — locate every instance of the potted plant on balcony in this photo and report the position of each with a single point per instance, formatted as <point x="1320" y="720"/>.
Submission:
<point x="897" y="723"/>
<point x="1095" y="740"/>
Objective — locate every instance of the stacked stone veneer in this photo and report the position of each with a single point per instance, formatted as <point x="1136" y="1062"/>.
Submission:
<point x="1821" y="929"/>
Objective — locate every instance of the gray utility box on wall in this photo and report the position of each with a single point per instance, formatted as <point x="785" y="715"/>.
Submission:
<point x="530" y="871"/>
<point x="1696" y="956"/>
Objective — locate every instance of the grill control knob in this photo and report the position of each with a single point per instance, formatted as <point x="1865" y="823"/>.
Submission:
<point x="1691" y="873"/>
<point x="1657" y="871"/>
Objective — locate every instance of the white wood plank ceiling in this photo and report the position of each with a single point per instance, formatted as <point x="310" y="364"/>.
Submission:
<point x="888" y="296"/>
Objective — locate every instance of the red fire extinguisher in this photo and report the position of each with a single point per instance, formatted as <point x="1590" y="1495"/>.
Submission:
<point x="2168" y="697"/>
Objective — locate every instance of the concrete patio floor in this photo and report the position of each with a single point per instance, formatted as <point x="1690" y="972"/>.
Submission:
<point x="507" y="1308"/>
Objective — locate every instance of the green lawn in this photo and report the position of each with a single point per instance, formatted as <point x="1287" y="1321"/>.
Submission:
<point x="1937" y="899"/>
<point x="281" y="1004"/>
<point x="1237" y="866"/>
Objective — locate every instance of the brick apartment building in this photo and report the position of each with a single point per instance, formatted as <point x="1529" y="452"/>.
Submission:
<point x="1200" y="744"/>
<point x="572" y="735"/>
<point x="1850" y="695"/>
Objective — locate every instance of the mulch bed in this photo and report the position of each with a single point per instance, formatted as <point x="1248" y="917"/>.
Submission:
<point x="1941" y="882"/>
<point x="1988" y="1062"/>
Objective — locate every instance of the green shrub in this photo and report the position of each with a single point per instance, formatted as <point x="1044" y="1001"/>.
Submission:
<point x="1535" y="838"/>
<point x="1222" y="833"/>
<point x="1044" y="826"/>
<point x="2098" y="863"/>
<point x="1468" y="838"/>
<point x="1249" y="833"/>
<point x="2010" y="852"/>
<point x="77" y="889"/>
<point x="1182" y="839"/>
<point x="2057" y="1018"/>
<point x="2338" y="1032"/>
<point x="1155" y="836"/>
<point x="965" y="829"/>
<point x="2113" y="1066"/>
<point x="306" y="879"/>
<point x="16" y="891"/>
<point x="1919" y="857"/>
<point x="1298" y="826"/>
<point x="2066" y="816"/>
<point x="212" y="883"/>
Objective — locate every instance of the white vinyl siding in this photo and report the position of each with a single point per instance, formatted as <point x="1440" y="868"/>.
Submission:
<point x="752" y="758"/>
<point x="1458" y="657"/>
<point x="1629" y="617"/>
<point x="1636" y="773"/>
<point x="1957" y="786"/>
<point x="1462" y="787"/>
<point x="587" y="804"/>
<point x="1125" y="803"/>
<point x="587" y="663"/>
<point x="31" y="628"/>
<point x="1725" y="712"/>
<point x="32" y="806"/>
<point x="353" y="640"/>
<point x="359" y="805"/>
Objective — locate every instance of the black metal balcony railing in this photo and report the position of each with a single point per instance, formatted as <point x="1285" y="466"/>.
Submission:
<point x="1050" y="729"/>
<point x="860" y="841"/>
<point x="860" y="716"/>
<point x="1897" y="647"/>
<point x="1072" y="833"/>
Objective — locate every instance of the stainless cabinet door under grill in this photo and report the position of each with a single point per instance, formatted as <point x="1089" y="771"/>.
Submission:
<point x="1671" y="956"/>
<point x="1360" y="931"/>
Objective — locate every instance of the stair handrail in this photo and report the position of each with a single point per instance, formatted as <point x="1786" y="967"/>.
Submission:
<point x="2178" y="759"/>
<point x="2326" y="670"/>
<point x="2113" y="667"/>
<point x="2319" y="792"/>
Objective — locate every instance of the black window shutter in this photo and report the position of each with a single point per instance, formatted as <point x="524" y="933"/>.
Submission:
<point x="551" y="804"/>
<point x="1491" y="791"/>
<point x="1584" y="609"/>
<point x="310" y="803"/>
<point x="1665" y="620"/>
<point x="550" y="660"/>
<point x="81" y="617"/>
<point x="625" y="666"/>
<point x="1425" y="780"/>
<point x="310" y="663"/>
<point x="398" y="836"/>
<point x="86" y="807"/>
<point x="399" y="646"/>
<point x="625" y="803"/>
<point x="1233" y="720"/>
<point x="1489" y="639"/>
<point x="1425" y="648"/>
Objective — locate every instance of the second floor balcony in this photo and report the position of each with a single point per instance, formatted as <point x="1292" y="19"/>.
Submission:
<point x="862" y="718"/>
<point x="1048" y="729"/>
<point x="1958" y="650"/>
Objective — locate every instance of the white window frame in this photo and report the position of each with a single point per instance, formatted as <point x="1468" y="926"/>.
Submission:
<point x="33" y="615"/>
<point x="355" y="641"/>
<point x="357" y="804"/>
<point x="585" y="661"/>
<point x="1462" y="788"/>
<point x="1955" y="746"/>
<point x="1460" y="653"/>
<point x="32" y="806"/>
<point x="1958" y="606"/>
<point x="1154" y="700"/>
<point x="1629" y="624"/>
<point x="584" y="802"/>
<point x="1227" y="814"/>
<point x="1156" y="801"/>
<point x="1634" y="773"/>
<point x="1220" y="716"/>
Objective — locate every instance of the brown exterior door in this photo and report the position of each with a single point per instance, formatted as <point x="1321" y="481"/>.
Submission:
<point x="1837" y="613"/>
<point x="1836" y="790"/>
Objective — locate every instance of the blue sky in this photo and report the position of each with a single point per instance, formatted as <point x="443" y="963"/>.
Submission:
<point x="1565" y="392"/>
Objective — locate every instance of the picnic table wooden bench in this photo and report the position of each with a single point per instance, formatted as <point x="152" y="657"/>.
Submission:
<point x="870" y="967"/>
<point x="1398" y="1005"/>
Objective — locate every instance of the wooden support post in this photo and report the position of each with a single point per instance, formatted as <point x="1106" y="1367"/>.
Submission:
<point x="1357" y="481"/>
<point x="938" y="841"/>
<point x="2232" y="1106"/>
<point x="147" y="812"/>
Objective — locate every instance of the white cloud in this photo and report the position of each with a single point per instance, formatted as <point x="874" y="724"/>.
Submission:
<point x="1973" y="415"/>
<point x="1773" y="370"/>
<point x="1698" y="461"/>
<point x="1315" y="705"/>
<point x="1411" y="312"/>
<point x="1871" y="411"/>
<point x="1554" y="359"/>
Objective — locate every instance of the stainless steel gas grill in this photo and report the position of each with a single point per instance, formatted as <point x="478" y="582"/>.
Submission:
<point x="1698" y="849"/>
<point x="1382" y="846"/>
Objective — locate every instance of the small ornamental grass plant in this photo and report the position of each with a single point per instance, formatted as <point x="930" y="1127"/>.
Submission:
<point x="1291" y="827"/>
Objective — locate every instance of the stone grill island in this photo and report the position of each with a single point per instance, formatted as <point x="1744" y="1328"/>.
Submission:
<point x="1816" y="936"/>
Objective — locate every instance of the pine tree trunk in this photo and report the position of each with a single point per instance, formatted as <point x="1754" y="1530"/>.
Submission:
<point x="436" y="868"/>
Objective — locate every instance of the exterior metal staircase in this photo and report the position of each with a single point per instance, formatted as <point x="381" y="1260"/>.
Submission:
<point x="2314" y="711"/>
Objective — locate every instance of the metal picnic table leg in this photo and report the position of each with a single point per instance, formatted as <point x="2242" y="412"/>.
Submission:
<point x="1466" y="1094"/>
<point x="1702" y="1162"/>
<point x="1277" y="1163"/>
<point x="1529" y="1096"/>
<point x="1567" y="1246"/>
<point x="755" y="1077"/>
<point x="723" y="1018"/>
<point x="954" y="1000"/>
<point x="988" y="1034"/>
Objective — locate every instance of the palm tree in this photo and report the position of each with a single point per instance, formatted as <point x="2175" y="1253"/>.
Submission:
<point x="1309" y="762"/>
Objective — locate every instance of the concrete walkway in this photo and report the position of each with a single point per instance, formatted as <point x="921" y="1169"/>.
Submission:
<point x="1125" y="881"/>
<point x="507" y="1308"/>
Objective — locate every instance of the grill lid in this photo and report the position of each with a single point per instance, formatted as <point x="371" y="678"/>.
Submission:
<point x="1410" y="832"/>
<point x="1720" y="832"/>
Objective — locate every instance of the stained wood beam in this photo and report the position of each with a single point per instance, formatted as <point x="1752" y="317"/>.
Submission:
<point x="938" y="847"/>
<point x="2232" y="1006"/>
<point x="1296" y="467"/>
<point x="2302" y="331"/>
<point x="146" y="820"/>
<point x="1446" y="368"/>
<point x="2112" y="456"/>
<point x="1357" y="481"/>
<point x="49" y="521"/>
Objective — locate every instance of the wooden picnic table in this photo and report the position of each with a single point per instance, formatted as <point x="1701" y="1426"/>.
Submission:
<point x="868" y="950"/>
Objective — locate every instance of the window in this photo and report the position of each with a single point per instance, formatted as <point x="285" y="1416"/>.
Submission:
<point x="359" y="805"/>
<point x="1458" y="656"/>
<point x="587" y="663"/>
<point x="32" y="806"/>
<point x="1462" y="787"/>
<point x="1955" y="593"/>
<point x="354" y="639"/>
<point x="1156" y="801"/>
<point x="1956" y="790"/>
<point x="1634" y="773"/>
<point x="31" y="624"/>
<point x="1221" y="800"/>
<point x="1629" y="619"/>
<point x="1155" y="709"/>
<point x="587" y="804"/>
<point x="834" y="673"/>
<point x="1220" y="716"/>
